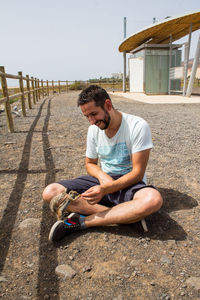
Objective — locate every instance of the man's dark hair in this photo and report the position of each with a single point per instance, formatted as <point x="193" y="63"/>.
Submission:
<point x="93" y="93"/>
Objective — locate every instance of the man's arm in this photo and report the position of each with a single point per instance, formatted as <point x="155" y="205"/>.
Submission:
<point x="139" y="162"/>
<point x="94" y="170"/>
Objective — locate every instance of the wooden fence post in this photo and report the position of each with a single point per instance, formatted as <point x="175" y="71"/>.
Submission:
<point x="7" y="103"/>
<point x="47" y="87"/>
<point x="28" y="89"/>
<point x="42" y="88"/>
<point x="21" y="85"/>
<point x="39" y="92"/>
<point x="52" y="87"/>
<point x="36" y="89"/>
<point x="59" y="86"/>
<point x="33" y="88"/>
<point x="67" y="85"/>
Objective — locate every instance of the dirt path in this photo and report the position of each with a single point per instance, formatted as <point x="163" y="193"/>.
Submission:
<point x="116" y="262"/>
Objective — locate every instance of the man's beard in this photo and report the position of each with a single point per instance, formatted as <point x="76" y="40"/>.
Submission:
<point x="106" y="121"/>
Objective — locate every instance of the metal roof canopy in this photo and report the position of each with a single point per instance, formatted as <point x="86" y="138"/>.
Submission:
<point x="160" y="33"/>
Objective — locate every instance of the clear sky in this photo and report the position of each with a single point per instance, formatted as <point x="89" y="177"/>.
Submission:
<point x="76" y="39"/>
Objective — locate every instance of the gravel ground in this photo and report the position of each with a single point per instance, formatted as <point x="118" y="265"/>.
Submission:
<point x="115" y="262"/>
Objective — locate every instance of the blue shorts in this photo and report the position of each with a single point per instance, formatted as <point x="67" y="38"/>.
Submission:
<point x="83" y="183"/>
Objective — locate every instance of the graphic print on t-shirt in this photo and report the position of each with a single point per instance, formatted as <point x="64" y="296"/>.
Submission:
<point x="115" y="158"/>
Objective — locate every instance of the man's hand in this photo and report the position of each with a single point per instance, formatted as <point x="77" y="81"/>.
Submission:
<point x="94" y="194"/>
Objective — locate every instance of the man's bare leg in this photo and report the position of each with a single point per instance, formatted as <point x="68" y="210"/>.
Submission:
<point x="79" y="206"/>
<point x="145" y="202"/>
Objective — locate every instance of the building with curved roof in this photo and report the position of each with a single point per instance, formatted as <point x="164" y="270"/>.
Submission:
<point x="155" y="61"/>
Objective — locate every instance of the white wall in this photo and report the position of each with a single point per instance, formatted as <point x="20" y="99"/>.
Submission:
<point x="136" y="74"/>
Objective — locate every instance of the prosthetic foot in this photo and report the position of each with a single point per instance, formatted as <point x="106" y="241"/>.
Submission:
<point x="59" y="203"/>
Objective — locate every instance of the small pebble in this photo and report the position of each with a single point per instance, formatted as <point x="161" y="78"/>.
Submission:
<point x="2" y="279"/>
<point x="65" y="271"/>
<point x="87" y="268"/>
<point x="134" y="274"/>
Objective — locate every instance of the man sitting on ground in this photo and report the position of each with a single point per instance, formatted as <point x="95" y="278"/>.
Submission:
<point x="114" y="192"/>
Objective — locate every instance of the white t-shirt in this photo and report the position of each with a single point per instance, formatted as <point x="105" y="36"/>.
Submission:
<point x="114" y="153"/>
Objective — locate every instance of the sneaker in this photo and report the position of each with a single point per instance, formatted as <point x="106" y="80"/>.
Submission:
<point x="64" y="227"/>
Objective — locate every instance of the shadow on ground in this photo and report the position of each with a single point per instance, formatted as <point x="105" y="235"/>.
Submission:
<point x="160" y="225"/>
<point x="10" y="213"/>
<point x="46" y="278"/>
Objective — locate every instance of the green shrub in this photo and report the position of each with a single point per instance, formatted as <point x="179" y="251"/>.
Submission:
<point x="77" y="85"/>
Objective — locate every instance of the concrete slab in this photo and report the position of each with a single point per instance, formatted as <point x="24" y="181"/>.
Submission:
<point x="158" y="99"/>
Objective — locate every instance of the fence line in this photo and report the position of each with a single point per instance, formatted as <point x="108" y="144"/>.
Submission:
<point x="32" y="89"/>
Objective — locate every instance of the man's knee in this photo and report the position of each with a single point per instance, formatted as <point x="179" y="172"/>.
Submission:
<point x="51" y="191"/>
<point x="154" y="200"/>
<point x="150" y="199"/>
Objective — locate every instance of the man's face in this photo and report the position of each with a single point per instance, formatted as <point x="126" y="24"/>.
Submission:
<point x="96" y="115"/>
